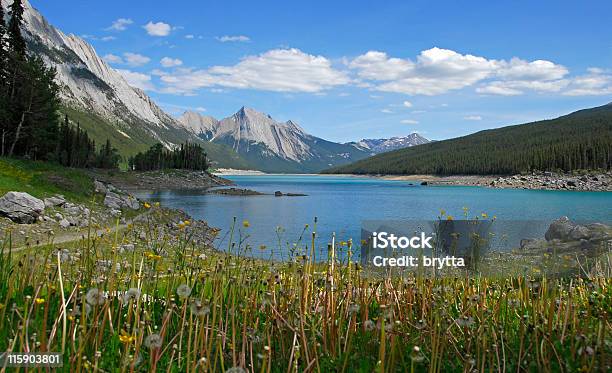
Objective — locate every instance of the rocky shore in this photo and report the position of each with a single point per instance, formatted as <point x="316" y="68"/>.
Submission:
<point x="169" y="179"/>
<point x="594" y="181"/>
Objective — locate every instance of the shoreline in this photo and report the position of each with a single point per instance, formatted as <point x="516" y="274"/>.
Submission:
<point x="586" y="182"/>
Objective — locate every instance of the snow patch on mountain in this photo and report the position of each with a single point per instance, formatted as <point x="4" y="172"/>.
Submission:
<point x="377" y="146"/>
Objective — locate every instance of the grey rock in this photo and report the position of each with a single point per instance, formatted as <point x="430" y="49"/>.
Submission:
<point x="100" y="187"/>
<point x="117" y="201"/>
<point x="54" y="201"/>
<point x="21" y="207"/>
<point x="559" y="229"/>
<point x="64" y="223"/>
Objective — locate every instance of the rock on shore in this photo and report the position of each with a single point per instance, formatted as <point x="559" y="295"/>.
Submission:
<point x="21" y="207"/>
<point x="555" y="181"/>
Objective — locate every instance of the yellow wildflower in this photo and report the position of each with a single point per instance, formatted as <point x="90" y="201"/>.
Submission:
<point x="40" y="300"/>
<point x="156" y="204"/>
<point x="147" y="205"/>
<point x="246" y="224"/>
<point x="449" y="218"/>
<point x="442" y="212"/>
<point x="186" y="222"/>
<point x="484" y="215"/>
<point x="125" y="338"/>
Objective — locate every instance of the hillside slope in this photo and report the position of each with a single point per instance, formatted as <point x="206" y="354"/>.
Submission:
<point x="581" y="140"/>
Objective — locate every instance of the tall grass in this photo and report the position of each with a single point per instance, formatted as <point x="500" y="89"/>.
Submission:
<point x="173" y="305"/>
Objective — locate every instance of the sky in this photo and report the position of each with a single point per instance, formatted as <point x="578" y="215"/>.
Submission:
<point x="347" y="70"/>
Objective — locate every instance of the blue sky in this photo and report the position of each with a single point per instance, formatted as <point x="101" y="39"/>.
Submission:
<point x="346" y="70"/>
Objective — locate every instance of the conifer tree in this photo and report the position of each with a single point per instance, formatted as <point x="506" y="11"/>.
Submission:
<point x="16" y="40"/>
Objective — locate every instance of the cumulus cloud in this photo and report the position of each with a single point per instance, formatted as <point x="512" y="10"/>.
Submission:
<point x="170" y="62"/>
<point x="120" y="24"/>
<point x="436" y="71"/>
<point x="233" y="38"/>
<point x="407" y="104"/>
<point x="279" y="70"/>
<point x="130" y="59"/>
<point x="157" y="29"/>
<point x="189" y="36"/>
<point x="138" y="80"/>
<point x="387" y="111"/>
<point x="596" y="82"/>
<point x="472" y="117"/>
<point x="112" y="58"/>
<point x="135" y="59"/>
<point x="409" y="121"/>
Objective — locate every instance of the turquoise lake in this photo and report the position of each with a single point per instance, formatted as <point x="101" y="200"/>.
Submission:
<point x="341" y="203"/>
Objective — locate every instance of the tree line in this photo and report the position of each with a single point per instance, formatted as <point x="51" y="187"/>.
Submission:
<point x="579" y="141"/>
<point x="29" y="107"/>
<point x="187" y="156"/>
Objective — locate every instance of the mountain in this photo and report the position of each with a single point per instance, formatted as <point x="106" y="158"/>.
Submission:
<point x="99" y="97"/>
<point x="270" y="145"/>
<point x="581" y="140"/>
<point x="377" y="146"/>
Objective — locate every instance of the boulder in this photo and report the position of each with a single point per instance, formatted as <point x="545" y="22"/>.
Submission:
<point x="117" y="201"/>
<point x="278" y="193"/>
<point x="21" y="207"/>
<point x="564" y="230"/>
<point x="100" y="187"/>
<point x="54" y="201"/>
<point x="64" y="223"/>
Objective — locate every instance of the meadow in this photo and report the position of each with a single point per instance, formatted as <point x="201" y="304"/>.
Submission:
<point x="152" y="298"/>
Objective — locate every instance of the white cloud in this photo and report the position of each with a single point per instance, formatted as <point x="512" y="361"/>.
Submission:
<point x="111" y="58"/>
<point x="138" y="80"/>
<point x="407" y="104"/>
<point x="233" y="38"/>
<point x="409" y="121"/>
<point x="518" y="69"/>
<point x="135" y="59"/>
<point x="376" y="65"/>
<point x="472" y="117"/>
<point x="170" y="62"/>
<point x="596" y="82"/>
<point x="437" y="71"/>
<point x="120" y="24"/>
<point x="108" y="38"/>
<point x="387" y="111"/>
<point x="280" y="70"/>
<point x="158" y="29"/>
<point x="189" y="36"/>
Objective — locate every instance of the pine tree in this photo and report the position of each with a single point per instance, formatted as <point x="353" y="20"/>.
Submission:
<point x="16" y="40"/>
<point x="4" y="73"/>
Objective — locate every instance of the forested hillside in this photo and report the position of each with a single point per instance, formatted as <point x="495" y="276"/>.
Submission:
<point x="581" y="140"/>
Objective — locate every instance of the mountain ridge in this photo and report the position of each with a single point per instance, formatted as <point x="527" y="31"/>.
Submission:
<point x="579" y="140"/>
<point x="269" y="144"/>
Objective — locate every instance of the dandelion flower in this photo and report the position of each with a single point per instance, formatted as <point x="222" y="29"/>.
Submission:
<point x="131" y="294"/>
<point x="465" y="321"/>
<point x="183" y="291"/>
<point x="353" y="308"/>
<point x="198" y="309"/>
<point x="95" y="297"/>
<point x="39" y="300"/>
<point x="449" y="217"/>
<point x="246" y="224"/>
<point x="369" y="325"/>
<point x="147" y="205"/>
<point x="153" y="341"/>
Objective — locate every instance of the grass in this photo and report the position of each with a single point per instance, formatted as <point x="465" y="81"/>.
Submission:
<point x="42" y="179"/>
<point x="174" y="304"/>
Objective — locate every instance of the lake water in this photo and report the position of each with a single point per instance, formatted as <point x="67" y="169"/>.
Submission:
<point x="341" y="203"/>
